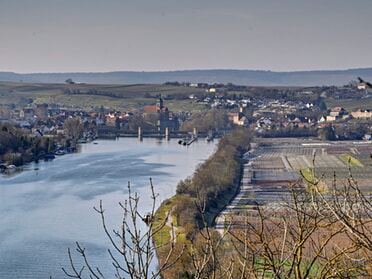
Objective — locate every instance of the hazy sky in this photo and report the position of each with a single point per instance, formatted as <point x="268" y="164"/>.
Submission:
<point x="153" y="35"/>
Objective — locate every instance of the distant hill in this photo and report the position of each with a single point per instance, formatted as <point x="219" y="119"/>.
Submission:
<point x="237" y="77"/>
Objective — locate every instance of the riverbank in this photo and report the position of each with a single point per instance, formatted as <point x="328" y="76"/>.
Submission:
<point x="11" y="168"/>
<point x="214" y="184"/>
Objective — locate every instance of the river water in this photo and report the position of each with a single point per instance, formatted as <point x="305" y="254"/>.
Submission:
<point x="48" y="206"/>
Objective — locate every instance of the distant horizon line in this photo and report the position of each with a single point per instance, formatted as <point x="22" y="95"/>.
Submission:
<point x="185" y="70"/>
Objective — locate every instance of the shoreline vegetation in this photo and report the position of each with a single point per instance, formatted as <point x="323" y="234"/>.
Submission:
<point x="19" y="147"/>
<point x="212" y="186"/>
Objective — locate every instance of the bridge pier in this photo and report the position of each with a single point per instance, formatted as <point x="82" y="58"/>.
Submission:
<point x="140" y="134"/>
<point x="166" y="133"/>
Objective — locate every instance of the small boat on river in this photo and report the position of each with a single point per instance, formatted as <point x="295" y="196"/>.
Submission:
<point x="49" y="157"/>
<point x="60" y="152"/>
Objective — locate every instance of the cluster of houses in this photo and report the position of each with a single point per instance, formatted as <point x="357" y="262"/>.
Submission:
<point x="45" y="120"/>
<point x="287" y="111"/>
<point x="339" y="113"/>
<point x="270" y="114"/>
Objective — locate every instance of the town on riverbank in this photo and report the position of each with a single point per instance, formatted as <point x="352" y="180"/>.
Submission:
<point x="39" y="120"/>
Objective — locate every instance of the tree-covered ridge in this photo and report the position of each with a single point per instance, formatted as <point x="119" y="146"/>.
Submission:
<point x="245" y="77"/>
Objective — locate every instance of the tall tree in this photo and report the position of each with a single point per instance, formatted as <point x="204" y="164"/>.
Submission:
<point x="73" y="127"/>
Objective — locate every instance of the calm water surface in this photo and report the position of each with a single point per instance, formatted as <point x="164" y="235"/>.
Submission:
<point x="49" y="206"/>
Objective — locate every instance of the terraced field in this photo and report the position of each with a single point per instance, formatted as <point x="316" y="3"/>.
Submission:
<point x="327" y="159"/>
<point x="273" y="164"/>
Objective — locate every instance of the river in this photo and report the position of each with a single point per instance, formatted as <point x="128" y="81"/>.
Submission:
<point x="48" y="206"/>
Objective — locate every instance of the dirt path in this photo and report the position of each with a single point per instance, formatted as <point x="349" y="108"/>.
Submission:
<point x="170" y="224"/>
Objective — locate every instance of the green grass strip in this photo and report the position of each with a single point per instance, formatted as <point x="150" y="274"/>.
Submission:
<point x="307" y="174"/>
<point x="351" y="160"/>
<point x="163" y="236"/>
<point x="311" y="181"/>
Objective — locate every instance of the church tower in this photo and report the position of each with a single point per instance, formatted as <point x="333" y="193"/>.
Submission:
<point x="159" y="104"/>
